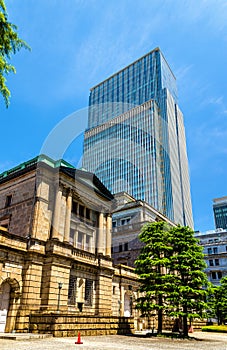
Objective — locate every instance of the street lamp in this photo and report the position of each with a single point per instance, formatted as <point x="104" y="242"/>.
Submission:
<point x="60" y="284"/>
<point x="119" y="309"/>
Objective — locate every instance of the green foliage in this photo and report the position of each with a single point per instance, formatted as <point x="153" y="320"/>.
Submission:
<point x="152" y="265"/>
<point x="188" y="294"/>
<point x="222" y="329"/>
<point x="170" y="268"/>
<point x="10" y="43"/>
<point x="187" y="264"/>
<point x="217" y="301"/>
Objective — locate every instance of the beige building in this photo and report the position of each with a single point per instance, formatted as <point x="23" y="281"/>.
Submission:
<point x="128" y="218"/>
<point x="56" y="272"/>
<point x="214" y="243"/>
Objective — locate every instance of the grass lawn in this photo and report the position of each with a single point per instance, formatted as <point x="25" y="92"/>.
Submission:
<point x="215" y="328"/>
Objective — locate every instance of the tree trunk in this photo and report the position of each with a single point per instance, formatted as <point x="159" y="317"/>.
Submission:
<point x="160" y="315"/>
<point x="185" y="322"/>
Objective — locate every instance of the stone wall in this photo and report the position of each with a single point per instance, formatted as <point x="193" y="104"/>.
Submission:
<point x="20" y="209"/>
<point x="66" y="325"/>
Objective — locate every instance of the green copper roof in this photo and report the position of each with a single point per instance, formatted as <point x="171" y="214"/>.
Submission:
<point x="41" y="158"/>
<point x="54" y="163"/>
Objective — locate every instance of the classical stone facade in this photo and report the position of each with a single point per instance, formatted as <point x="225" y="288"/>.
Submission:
<point x="129" y="216"/>
<point x="55" y="254"/>
<point x="214" y="243"/>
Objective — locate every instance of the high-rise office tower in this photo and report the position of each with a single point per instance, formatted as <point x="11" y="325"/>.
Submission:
<point x="220" y="212"/>
<point x="135" y="140"/>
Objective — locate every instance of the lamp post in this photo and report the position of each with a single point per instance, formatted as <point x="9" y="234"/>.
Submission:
<point x="119" y="309"/>
<point x="60" y="284"/>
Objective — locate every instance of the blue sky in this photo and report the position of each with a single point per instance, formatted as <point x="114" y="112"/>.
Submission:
<point x="78" y="43"/>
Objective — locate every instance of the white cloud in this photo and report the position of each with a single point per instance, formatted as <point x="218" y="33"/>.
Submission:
<point x="215" y="100"/>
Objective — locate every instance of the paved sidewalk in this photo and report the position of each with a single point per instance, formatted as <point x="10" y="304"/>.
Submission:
<point x="203" y="341"/>
<point x="24" y="336"/>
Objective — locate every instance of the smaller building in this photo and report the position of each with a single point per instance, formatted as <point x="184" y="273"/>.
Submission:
<point x="127" y="220"/>
<point x="220" y="212"/>
<point x="214" y="243"/>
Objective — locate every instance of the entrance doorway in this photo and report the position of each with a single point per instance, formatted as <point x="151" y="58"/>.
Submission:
<point x="127" y="305"/>
<point x="4" y="304"/>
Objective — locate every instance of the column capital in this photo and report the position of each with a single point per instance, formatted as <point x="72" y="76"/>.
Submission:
<point x="69" y="192"/>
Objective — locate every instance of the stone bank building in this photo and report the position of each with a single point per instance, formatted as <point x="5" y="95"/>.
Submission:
<point x="56" y="270"/>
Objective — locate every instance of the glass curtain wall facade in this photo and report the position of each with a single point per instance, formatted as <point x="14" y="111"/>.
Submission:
<point x="220" y="212"/>
<point x="135" y="141"/>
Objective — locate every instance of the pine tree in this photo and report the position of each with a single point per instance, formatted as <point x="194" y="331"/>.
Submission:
<point x="217" y="301"/>
<point x="152" y="267"/>
<point x="187" y="295"/>
<point x="170" y="268"/>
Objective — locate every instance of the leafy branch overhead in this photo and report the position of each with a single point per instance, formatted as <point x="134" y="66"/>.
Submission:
<point x="10" y="43"/>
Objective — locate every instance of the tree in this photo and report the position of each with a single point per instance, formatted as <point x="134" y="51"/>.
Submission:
<point x="188" y="294"/>
<point x="152" y="265"/>
<point x="170" y="268"/>
<point x="10" y="43"/>
<point x="212" y="295"/>
<point x="221" y="297"/>
<point x="217" y="301"/>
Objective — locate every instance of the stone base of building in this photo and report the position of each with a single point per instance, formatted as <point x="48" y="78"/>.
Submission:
<point x="66" y="325"/>
<point x="197" y="324"/>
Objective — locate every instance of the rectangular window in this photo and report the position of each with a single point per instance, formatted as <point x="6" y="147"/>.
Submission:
<point x="8" y="201"/>
<point x="74" y="207"/>
<point x="80" y="237"/>
<point x="211" y="263"/>
<point x="126" y="246"/>
<point x="88" y="243"/>
<point x="88" y="292"/>
<point x="215" y="250"/>
<point x="80" y="240"/>
<point x="81" y="210"/>
<point x="87" y="213"/>
<point x="219" y="275"/>
<point x="209" y="250"/>
<point x="114" y="224"/>
<point x="72" y="290"/>
<point x="71" y="237"/>
<point x="213" y="275"/>
<point x="216" y="262"/>
<point x="120" y="247"/>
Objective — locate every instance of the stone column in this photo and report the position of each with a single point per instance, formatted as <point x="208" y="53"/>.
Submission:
<point x="68" y="217"/>
<point x="56" y="214"/>
<point x="100" y="243"/>
<point x="108" y="234"/>
<point x="75" y="238"/>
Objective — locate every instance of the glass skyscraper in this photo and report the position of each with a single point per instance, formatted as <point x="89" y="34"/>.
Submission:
<point x="220" y="212"/>
<point x="135" y="140"/>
